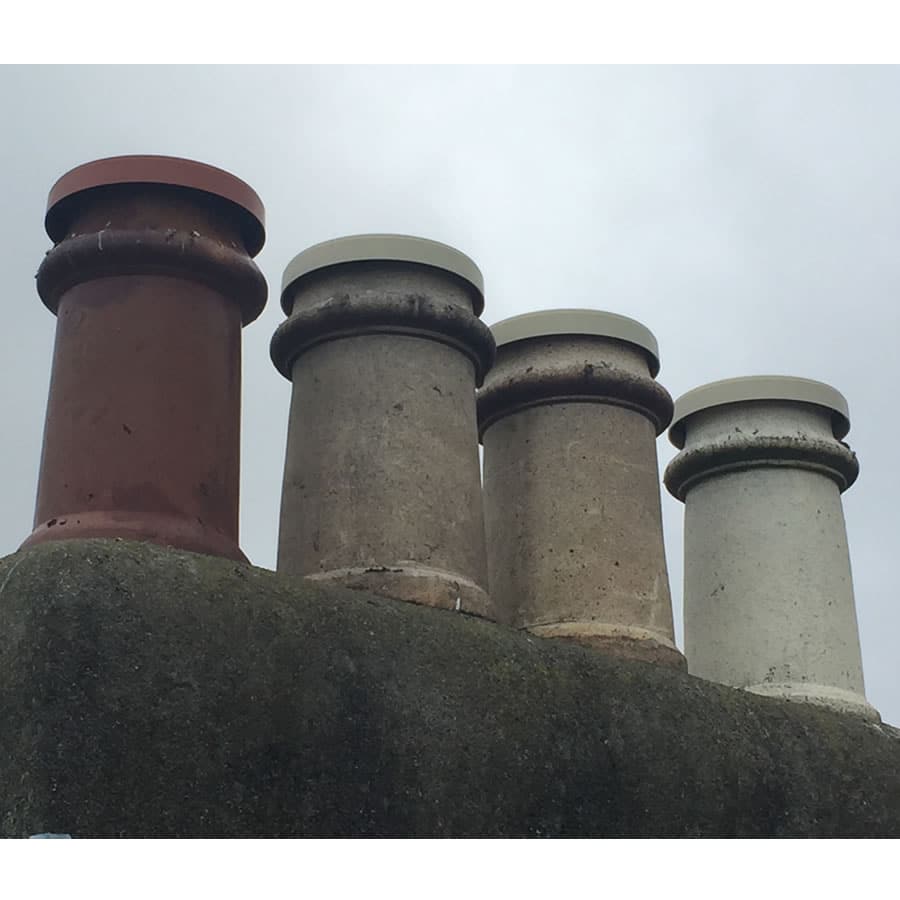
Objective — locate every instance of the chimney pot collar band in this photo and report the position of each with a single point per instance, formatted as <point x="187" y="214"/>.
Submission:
<point x="342" y="317"/>
<point x="125" y="252"/>
<point x="831" y="458"/>
<point x="503" y="397"/>
<point x="755" y="388"/>
<point x="595" y="322"/>
<point x="165" y="170"/>
<point x="383" y="248"/>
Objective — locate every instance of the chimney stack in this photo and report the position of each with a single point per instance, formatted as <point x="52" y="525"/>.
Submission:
<point x="768" y="595"/>
<point x="381" y="489"/>
<point x="569" y="417"/>
<point x="151" y="279"/>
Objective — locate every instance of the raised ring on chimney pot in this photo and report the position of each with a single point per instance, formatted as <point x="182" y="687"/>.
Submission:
<point x="151" y="279"/>
<point x="768" y="591"/>
<point x="569" y="417"/>
<point x="381" y="489"/>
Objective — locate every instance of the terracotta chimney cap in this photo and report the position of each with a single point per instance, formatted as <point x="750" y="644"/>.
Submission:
<point x="169" y="170"/>
<point x="578" y="321"/>
<point x="760" y="387"/>
<point x="378" y="247"/>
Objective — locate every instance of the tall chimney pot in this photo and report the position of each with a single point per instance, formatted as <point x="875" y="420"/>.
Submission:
<point x="151" y="278"/>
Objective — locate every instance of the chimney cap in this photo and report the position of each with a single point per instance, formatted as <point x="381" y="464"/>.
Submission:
<point x="170" y="170"/>
<point x="760" y="387"/>
<point x="593" y="322"/>
<point x="383" y="247"/>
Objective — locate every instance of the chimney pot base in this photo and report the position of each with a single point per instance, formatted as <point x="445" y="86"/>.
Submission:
<point x="819" y="695"/>
<point x="167" y="531"/>
<point x="630" y="642"/>
<point x="412" y="583"/>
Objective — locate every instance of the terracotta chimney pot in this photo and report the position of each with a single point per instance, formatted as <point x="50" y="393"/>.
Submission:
<point x="151" y="279"/>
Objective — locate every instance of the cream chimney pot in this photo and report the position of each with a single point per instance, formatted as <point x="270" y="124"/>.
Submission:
<point x="768" y="594"/>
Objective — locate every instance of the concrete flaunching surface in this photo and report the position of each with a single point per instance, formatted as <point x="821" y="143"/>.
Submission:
<point x="147" y="691"/>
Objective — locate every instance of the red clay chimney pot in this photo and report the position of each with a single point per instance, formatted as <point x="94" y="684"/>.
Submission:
<point x="151" y="279"/>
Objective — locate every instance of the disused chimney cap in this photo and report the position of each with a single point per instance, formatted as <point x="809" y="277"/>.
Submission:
<point x="169" y="170"/>
<point x="581" y="322"/>
<point x="760" y="387"/>
<point x="378" y="247"/>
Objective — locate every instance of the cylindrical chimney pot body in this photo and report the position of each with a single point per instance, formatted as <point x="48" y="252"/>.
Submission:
<point x="569" y="417"/>
<point x="384" y="348"/>
<point x="151" y="278"/>
<point x="768" y="593"/>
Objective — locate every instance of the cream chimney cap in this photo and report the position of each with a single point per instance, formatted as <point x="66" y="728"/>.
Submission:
<point x="578" y="322"/>
<point x="379" y="247"/>
<point x="760" y="387"/>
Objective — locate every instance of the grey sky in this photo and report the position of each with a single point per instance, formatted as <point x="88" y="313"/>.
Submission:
<point x="747" y="216"/>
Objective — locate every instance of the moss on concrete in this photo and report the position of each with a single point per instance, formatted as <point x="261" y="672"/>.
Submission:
<point x="145" y="691"/>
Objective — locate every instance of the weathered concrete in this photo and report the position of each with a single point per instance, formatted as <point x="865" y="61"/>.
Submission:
<point x="381" y="484"/>
<point x="569" y="417"/>
<point x="159" y="693"/>
<point x="151" y="279"/>
<point x="768" y="594"/>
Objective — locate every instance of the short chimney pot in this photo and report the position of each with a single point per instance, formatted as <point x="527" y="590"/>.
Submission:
<point x="768" y="593"/>
<point x="569" y="417"/>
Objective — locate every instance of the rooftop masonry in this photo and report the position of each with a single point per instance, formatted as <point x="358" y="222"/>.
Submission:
<point x="440" y="652"/>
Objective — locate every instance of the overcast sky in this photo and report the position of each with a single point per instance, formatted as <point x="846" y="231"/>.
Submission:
<point x="747" y="216"/>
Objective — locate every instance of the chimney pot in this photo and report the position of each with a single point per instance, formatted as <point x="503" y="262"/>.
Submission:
<point x="569" y="417"/>
<point x="381" y="490"/>
<point x="151" y="279"/>
<point x="768" y="593"/>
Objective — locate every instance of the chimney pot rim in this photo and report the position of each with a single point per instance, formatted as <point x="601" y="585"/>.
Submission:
<point x="749" y="388"/>
<point x="154" y="169"/>
<point x="586" y="322"/>
<point x="383" y="248"/>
